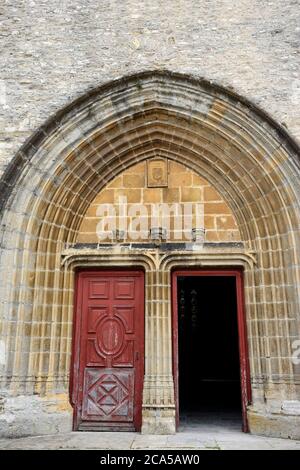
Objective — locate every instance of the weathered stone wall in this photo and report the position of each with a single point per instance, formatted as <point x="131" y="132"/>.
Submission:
<point x="243" y="154"/>
<point x="54" y="51"/>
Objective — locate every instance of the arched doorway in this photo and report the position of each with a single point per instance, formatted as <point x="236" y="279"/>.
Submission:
<point x="47" y="190"/>
<point x="210" y="346"/>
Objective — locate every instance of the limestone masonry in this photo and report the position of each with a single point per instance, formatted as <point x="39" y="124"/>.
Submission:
<point x="93" y="93"/>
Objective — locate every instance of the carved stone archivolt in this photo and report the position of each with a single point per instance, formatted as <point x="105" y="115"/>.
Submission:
<point x="45" y="193"/>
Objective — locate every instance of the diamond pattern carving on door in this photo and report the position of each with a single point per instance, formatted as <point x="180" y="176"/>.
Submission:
<point x="108" y="395"/>
<point x="111" y="338"/>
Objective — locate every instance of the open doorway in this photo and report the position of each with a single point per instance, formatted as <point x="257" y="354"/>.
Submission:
<point x="210" y="349"/>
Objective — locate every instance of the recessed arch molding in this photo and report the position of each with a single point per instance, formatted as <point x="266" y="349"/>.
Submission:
<point x="46" y="190"/>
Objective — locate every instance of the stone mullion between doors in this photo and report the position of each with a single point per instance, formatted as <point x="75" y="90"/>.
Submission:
<point x="158" y="396"/>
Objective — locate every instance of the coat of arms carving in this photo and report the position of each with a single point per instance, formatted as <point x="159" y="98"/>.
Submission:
<point x="157" y="173"/>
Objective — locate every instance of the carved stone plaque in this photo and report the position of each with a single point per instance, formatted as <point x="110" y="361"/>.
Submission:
<point x="157" y="173"/>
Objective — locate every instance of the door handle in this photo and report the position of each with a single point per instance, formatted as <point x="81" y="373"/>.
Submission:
<point x="137" y="356"/>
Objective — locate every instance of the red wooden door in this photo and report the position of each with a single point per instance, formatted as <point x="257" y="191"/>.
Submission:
<point x="108" y="354"/>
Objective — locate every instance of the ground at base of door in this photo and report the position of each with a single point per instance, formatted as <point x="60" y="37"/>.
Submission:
<point x="188" y="438"/>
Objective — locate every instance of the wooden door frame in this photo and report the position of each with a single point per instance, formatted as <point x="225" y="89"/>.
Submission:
<point x="74" y="392"/>
<point x="242" y="333"/>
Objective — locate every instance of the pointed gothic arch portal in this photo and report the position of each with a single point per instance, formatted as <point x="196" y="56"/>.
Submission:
<point x="48" y="188"/>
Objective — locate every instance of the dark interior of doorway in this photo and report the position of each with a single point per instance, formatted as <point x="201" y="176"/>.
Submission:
<point x="209" y="369"/>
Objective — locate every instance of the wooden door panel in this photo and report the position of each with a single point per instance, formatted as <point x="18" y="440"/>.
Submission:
<point x="99" y="289"/>
<point x="124" y="290"/>
<point x="107" y="395"/>
<point x="126" y="356"/>
<point x="94" y="316"/>
<point x="110" y="339"/>
<point x="94" y="357"/>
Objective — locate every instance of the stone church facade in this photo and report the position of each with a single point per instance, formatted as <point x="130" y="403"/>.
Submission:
<point x="181" y="112"/>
